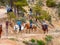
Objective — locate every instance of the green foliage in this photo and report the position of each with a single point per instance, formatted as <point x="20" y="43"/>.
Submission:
<point x="58" y="5"/>
<point x="37" y="9"/>
<point x="13" y="39"/>
<point x="26" y="42"/>
<point x="2" y="2"/>
<point x="40" y="42"/>
<point x="44" y="15"/>
<point x="58" y="9"/>
<point x="23" y="19"/>
<point x="32" y="40"/>
<point x="11" y="15"/>
<point x="50" y="3"/>
<point x="59" y="12"/>
<point x="48" y="38"/>
<point x="20" y="3"/>
<point x="40" y="3"/>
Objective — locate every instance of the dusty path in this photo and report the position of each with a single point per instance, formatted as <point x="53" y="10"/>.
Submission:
<point x="7" y="42"/>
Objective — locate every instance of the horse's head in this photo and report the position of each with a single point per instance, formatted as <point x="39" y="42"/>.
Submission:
<point x="27" y="25"/>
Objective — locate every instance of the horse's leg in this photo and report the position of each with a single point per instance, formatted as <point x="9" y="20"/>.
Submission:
<point x="47" y="30"/>
<point x="29" y="30"/>
<point x="0" y="35"/>
<point x="21" y="31"/>
<point x="32" y="30"/>
<point x="44" y="32"/>
<point x="26" y="30"/>
<point x="35" y="29"/>
<point x="17" y="31"/>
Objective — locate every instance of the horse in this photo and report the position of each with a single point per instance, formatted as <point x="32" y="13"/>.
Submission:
<point x="45" y="28"/>
<point x="16" y="28"/>
<point x="27" y="26"/>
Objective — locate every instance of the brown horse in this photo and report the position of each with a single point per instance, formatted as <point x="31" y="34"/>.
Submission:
<point x="27" y="26"/>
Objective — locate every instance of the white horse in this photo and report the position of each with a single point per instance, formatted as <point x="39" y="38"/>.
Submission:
<point x="16" y="28"/>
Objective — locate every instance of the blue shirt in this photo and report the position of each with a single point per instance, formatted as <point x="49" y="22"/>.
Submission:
<point x="19" y="23"/>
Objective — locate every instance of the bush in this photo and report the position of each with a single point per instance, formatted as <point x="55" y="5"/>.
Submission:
<point x="48" y="38"/>
<point x="59" y="11"/>
<point x="13" y="39"/>
<point x="37" y="9"/>
<point x="26" y="42"/>
<point x="40" y="3"/>
<point x="40" y="42"/>
<point x="23" y="19"/>
<point x="58" y="7"/>
<point x="50" y="3"/>
<point x="32" y="40"/>
<point x="44" y="15"/>
<point x="11" y="15"/>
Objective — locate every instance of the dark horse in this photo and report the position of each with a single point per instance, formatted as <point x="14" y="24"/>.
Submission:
<point x="45" y="28"/>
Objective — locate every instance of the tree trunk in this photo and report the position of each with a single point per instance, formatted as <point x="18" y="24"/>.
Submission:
<point x="15" y="10"/>
<point x="11" y="3"/>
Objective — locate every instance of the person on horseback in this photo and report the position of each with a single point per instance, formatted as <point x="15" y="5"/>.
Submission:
<point x="44" y="26"/>
<point x="30" y="12"/>
<point x="16" y="28"/>
<point x="19" y="24"/>
<point x="31" y="22"/>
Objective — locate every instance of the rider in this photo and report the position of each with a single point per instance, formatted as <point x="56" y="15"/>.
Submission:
<point x="19" y="24"/>
<point x="30" y="11"/>
<point x="31" y="23"/>
<point x="44" y="26"/>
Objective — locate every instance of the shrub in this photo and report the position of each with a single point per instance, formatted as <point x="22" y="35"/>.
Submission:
<point x="48" y="38"/>
<point x="40" y="3"/>
<point x="32" y="40"/>
<point x="13" y="39"/>
<point x="58" y="10"/>
<point x="26" y="42"/>
<point x="50" y="3"/>
<point x="44" y="15"/>
<point x="23" y="19"/>
<point x="40" y="42"/>
<point x="11" y="15"/>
